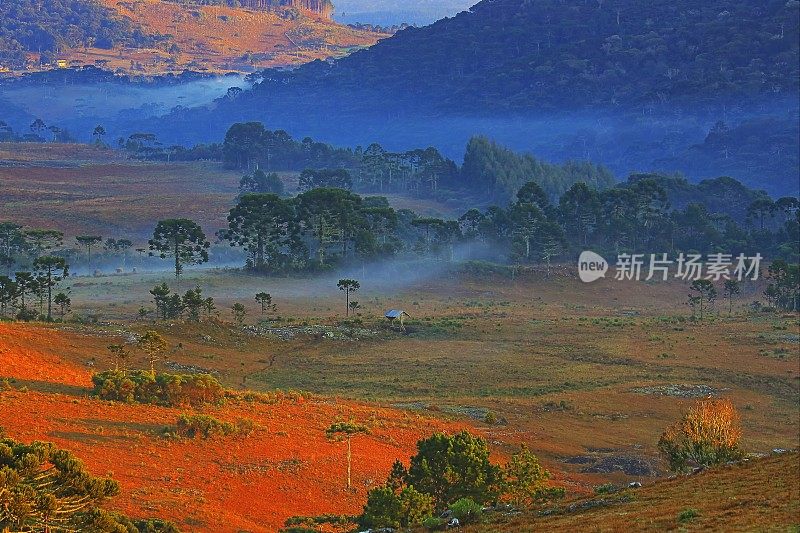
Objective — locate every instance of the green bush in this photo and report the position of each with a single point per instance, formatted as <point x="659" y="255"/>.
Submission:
<point x="524" y="480"/>
<point x="687" y="515"/>
<point x="453" y="472"/>
<point x="434" y="524"/>
<point x="204" y="426"/>
<point x="450" y="468"/>
<point x="466" y="510"/>
<point x="160" y="389"/>
<point x="387" y="507"/>
<point x="606" y="488"/>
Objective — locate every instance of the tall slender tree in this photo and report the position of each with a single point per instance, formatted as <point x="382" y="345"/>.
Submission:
<point x="348" y="286"/>
<point x="88" y="241"/>
<point x="51" y="270"/>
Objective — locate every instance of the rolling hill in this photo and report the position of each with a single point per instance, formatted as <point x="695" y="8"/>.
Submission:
<point x="551" y="55"/>
<point x="158" y="36"/>
<point x="233" y="484"/>
<point x="760" y="494"/>
<point x="636" y="87"/>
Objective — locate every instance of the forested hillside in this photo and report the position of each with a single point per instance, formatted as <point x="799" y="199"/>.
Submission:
<point x="550" y="54"/>
<point x="56" y="25"/>
<point x="634" y="86"/>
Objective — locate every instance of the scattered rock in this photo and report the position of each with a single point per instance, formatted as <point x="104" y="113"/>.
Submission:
<point x="190" y="369"/>
<point x="589" y="504"/>
<point x="680" y="391"/>
<point x="288" y="333"/>
<point x="634" y="485"/>
<point x="630" y="465"/>
<point x="580" y="460"/>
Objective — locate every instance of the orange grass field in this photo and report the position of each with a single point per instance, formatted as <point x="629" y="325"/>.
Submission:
<point x="587" y="375"/>
<point x="286" y="467"/>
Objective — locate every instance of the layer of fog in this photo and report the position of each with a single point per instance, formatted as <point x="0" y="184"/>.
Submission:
<point x="81" y="107"/>
<point x="381" y="277"/>
<point x="625" y="142"/>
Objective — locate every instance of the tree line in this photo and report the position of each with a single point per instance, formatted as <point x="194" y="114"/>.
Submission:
<point x="324" y="227"/>
<point x="489" y="171"/>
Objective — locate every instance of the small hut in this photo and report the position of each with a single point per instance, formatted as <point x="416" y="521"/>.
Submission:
<point x="397" y="314"/>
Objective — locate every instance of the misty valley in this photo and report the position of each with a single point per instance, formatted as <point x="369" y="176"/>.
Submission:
<point x="308" y="266"/>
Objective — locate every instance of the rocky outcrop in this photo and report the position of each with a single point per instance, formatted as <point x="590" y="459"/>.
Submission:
<point x="322" y="8"/>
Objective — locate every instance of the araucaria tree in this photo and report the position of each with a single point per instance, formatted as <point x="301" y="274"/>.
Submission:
<point x="705" y="292"/>
<point x="347" y="286"/>
<point x="181" y="239"/>
<point x="51" y="271"/>
<point x="154" y="345"/>
<point x="239" y="312"/>
<point x="88" y="241"/>
<point x="43" y="488"/>
<point x="731" y="288"/>
<point x="63" y="302"/>
<point x="265" y="300"/>
<point x="263" y="225"/>
<point x="346" y="430"/>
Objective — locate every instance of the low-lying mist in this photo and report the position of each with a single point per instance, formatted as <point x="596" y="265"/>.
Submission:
<point x="81" y="107"/>
<point x="383" y="277"/>
<point x="762" y="152"/>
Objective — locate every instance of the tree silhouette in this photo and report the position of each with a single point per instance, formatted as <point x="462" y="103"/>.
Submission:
<point x="239" y="311"/>
<point x="88" y="241"/>
<point x="182" y="239"/>
<point x="154" y="345"/>
<point x="98" y="133"/>
<point x="120" y="354"/>
<point x="265" y="299"/>
<point x="63" y="302"/>
<point x="706" y="292"/>
<point x="52" y="270"/>
<point x="730" y="289"/>
<point x="348" y="286"/>
<point x="43" y="240"/>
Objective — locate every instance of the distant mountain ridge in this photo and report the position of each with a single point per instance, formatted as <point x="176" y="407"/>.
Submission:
<point x="550" y="54"/>
<point x="636" y="86"/>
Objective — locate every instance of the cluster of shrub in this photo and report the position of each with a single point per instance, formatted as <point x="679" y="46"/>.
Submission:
<point x="450" y="481"/>
<point x="206" y="427"/>
<point x="142" y="386"/>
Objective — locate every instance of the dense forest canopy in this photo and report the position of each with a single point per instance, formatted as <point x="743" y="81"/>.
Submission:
<point x="490" y="172"/>
<point x="551" y="54"/>
<point x="52" y="26"/>
<point x="634" y="86"/>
